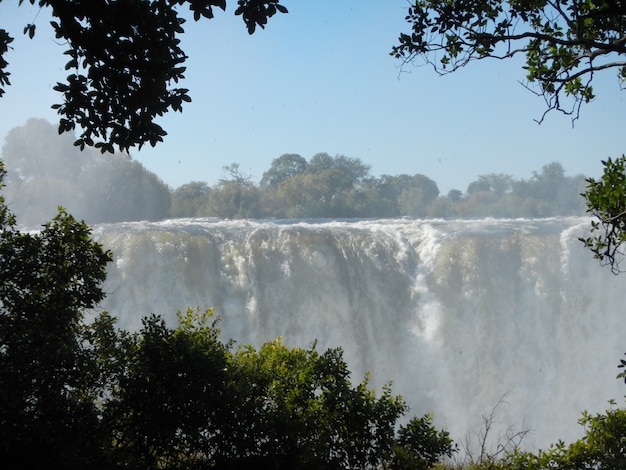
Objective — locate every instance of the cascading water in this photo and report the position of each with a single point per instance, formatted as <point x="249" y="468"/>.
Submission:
<point x="457" y="314"/>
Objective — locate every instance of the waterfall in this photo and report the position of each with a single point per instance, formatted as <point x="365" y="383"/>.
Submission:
<point x="457" y="314"/>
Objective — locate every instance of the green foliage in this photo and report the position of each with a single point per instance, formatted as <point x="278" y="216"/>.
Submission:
<point x="342" y="187"/>
<point x="307" y="412"/>
<point x="283" y="168"/>
<point x="190" y="200"/>
<point x="124" y="57"/>
<point x="420" y="446"/>
<point x="167" y="405"/>
<point x="49" y="414"/>
<point x="606" y="203"/>
<point x="47" y="170"/>
<point x="5" y="40"/>
<point x="602" y="447"/>
<point x="564" y="43"/>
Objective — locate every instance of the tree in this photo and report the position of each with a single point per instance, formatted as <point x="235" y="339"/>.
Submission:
<point x="190" y="200"/>
<point x="455" y="195"/>
<point x="603" y="447"/>
<point x="170" y="403"/>
<point x="306" y="413"/>
<point x="327" y="187"/>
<point x="607" y="204"/>
<point x="564" y="41"/>
<point x="498" y="184"/>
<point x="124" y="55"/>
<point x="282" y="168"/>
<point x="419" y="446"/>
<point x="235" y="196"/>
<point x="417" y="192"/>
<point x="49" y="381"/>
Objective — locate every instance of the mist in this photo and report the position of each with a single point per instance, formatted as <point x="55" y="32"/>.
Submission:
<point x="45" y="170"/>
<point x="458" y="314"/>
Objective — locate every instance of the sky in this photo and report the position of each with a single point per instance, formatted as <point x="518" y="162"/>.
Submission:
<point x="320" y="79"/>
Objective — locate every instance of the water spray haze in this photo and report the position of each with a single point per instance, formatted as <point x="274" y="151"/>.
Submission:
<point x="457" y="314"/>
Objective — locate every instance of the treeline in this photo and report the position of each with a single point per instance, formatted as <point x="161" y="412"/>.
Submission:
<point x="45" y="170"/>
<point x="342" y="187"/>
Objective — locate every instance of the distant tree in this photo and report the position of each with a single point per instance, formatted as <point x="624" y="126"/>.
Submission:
<point x="564" y="43"/>
<point x="123" y="190"/>
<point x="418" y="192"/>
<point x="282" y="168"/>
<point x="234" y="175"/>
<point x="386" y="194"/>
<point x="190" y="200"/>
<point x="341" y="173"/>
<point x="498" y="184"/>
<point x="480" y="185"/>
<point x="551" y="191"/>
<point x="327" y="187"/>
<point x="36" y="150"/>
<point x="442" y="207"/>
<point x="124" y="55"/>
<point x="235" y="196"/>
<point x="455" y="195"/>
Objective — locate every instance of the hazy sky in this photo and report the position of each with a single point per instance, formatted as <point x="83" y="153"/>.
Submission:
<point x="320" y="79"/>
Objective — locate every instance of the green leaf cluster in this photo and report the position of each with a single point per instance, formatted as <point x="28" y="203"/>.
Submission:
<point x="603" y="447"/>
<point x="5" y="40"/>
<point x="606" y="203"/>
<point x="564" y="42"/>
<point x="125" y="62"/>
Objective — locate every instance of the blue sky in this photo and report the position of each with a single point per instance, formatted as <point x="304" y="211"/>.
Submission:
<point x="320" y="79"/>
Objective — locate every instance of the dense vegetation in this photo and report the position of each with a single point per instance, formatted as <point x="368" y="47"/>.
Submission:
<point x="341" y="187"/>
<point x="46" y="170"/>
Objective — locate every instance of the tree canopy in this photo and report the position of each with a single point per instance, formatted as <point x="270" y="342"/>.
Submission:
<point x="564" y="42"/>
<point x="124" y="63"/>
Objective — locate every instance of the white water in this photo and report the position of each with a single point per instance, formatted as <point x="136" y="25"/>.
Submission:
<point x="455" y="313"/>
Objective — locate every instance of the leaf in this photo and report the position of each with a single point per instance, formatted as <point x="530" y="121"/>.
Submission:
<point x="30" y="29"/>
